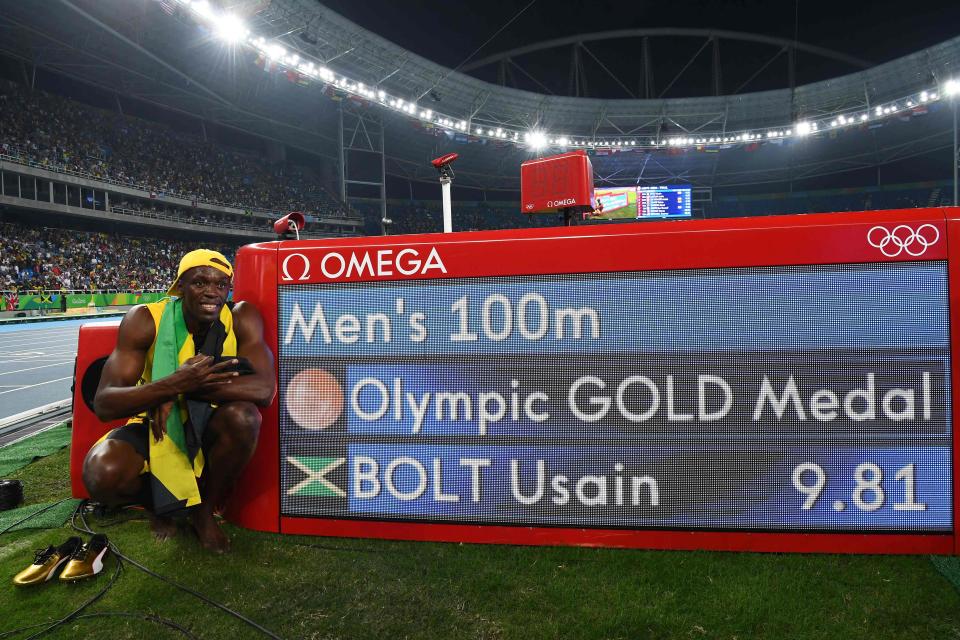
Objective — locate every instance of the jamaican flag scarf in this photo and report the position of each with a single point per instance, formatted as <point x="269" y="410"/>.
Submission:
<point x="177" y="461"/>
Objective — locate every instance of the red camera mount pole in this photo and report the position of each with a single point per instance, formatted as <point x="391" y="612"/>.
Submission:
<point x="444" y="168"/>
<point x="445" y="182"/>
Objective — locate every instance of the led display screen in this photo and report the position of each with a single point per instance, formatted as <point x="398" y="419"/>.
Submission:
<point x="664" y="202"/>
<point x="811" y="398"/>
<point x="642" y="203"/>
<point x="617" y="202"/>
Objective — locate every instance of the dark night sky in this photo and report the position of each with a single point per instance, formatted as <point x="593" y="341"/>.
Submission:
<point x="447" y="32"/>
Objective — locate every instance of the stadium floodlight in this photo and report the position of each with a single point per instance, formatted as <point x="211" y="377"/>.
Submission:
<point x="202" y="8"/>
<point x="536" y="140"/>
<point x="231" y="29"/>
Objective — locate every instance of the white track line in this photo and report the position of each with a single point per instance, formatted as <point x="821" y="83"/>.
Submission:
<point x="39" y="384"/>
<point x="47" y="357"/>
<point x="25" y="351"/>
<point x="53" y="353"/>
<point x="21" y="335"/>
<point x="37" y="346"/>
<point x="38" y="359"/>
<point x="35" y="339"/>
<point x="36" y="412"/>
<point x="26" y="334"/>
<point x="43" y="366"/>
<point x="30" y="435"/>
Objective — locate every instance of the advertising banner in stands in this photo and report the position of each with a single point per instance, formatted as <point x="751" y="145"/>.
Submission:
<point x="34" y="301"/>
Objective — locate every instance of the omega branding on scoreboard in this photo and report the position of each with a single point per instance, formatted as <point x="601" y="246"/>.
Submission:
<point x="755" y="398"/>
<point x="362" y="264"/>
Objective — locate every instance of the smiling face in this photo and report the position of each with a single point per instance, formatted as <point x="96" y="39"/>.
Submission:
<point x="203" y="291"/>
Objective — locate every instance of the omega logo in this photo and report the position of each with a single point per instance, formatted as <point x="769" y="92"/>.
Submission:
<point x="372" y="264"/>
<point x="560" y="203"/>
<point x="285" y="266"/>
<point x="381" y="263"/>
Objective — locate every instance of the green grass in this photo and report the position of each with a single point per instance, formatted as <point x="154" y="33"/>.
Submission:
<point x="45" y="479"/>
<point x="302" y="587"/>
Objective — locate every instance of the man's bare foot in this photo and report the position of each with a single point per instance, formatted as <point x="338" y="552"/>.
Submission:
<point x="208" y="531"/>
<point x="162" y="527"/>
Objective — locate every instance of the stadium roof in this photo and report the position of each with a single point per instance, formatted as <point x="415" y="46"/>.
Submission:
<point x="149" y="49"/>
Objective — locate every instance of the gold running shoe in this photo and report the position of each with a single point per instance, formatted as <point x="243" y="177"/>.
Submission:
<point x="87" y="561"/>
<point x="47" y="562"/>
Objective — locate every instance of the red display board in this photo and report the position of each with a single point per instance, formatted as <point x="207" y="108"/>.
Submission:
<point x="555" y="183"/>
<point x="769" y="384"/>
<point x="95" y="342"/>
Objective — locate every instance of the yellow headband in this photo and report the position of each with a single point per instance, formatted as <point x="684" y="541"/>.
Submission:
<point x="201" y="258"/>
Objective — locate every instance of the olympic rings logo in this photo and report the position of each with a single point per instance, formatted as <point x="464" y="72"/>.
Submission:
<point x="903" y="238"/>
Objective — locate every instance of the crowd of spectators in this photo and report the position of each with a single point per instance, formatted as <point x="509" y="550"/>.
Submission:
<point x="53" y="259"/>
<point x="159" y="209"/>
<point x="60" y="133"/>
<point x="828" y="201"/>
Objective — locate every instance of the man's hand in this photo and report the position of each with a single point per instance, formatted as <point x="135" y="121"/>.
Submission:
<point x="158" y="420"/>
<point x="199" y="371"/>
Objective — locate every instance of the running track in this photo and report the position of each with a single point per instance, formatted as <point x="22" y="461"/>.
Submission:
<point x="36" y="364"/>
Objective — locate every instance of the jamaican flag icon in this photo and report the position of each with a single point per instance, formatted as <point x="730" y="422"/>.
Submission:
<point x="317" y="476"/>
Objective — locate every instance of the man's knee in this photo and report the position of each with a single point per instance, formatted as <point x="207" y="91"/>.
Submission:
<point x="240" y="422"/>
<point x="111" y="472"/>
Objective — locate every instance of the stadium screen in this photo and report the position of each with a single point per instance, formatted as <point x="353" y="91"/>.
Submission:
<point x="809" y="398"/>
<point x="643" y="203"/>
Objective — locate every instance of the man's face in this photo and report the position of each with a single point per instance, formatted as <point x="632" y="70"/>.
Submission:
<point x="204" y="292"/>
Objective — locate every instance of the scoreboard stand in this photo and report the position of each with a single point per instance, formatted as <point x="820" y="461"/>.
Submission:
<point x="769" y="384"/>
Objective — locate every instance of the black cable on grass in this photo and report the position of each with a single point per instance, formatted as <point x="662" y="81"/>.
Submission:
<point x="143" y="616"/>
<point x="77" y="614"/>
<point x="70" y="616"/>
<point x="185" y="589"/>
<point x="34" y="515"/>
<point x="123" y="517"/>
<point x="111" y="614"/>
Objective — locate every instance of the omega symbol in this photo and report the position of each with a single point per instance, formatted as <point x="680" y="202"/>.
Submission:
<point x="305" y="275"/>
